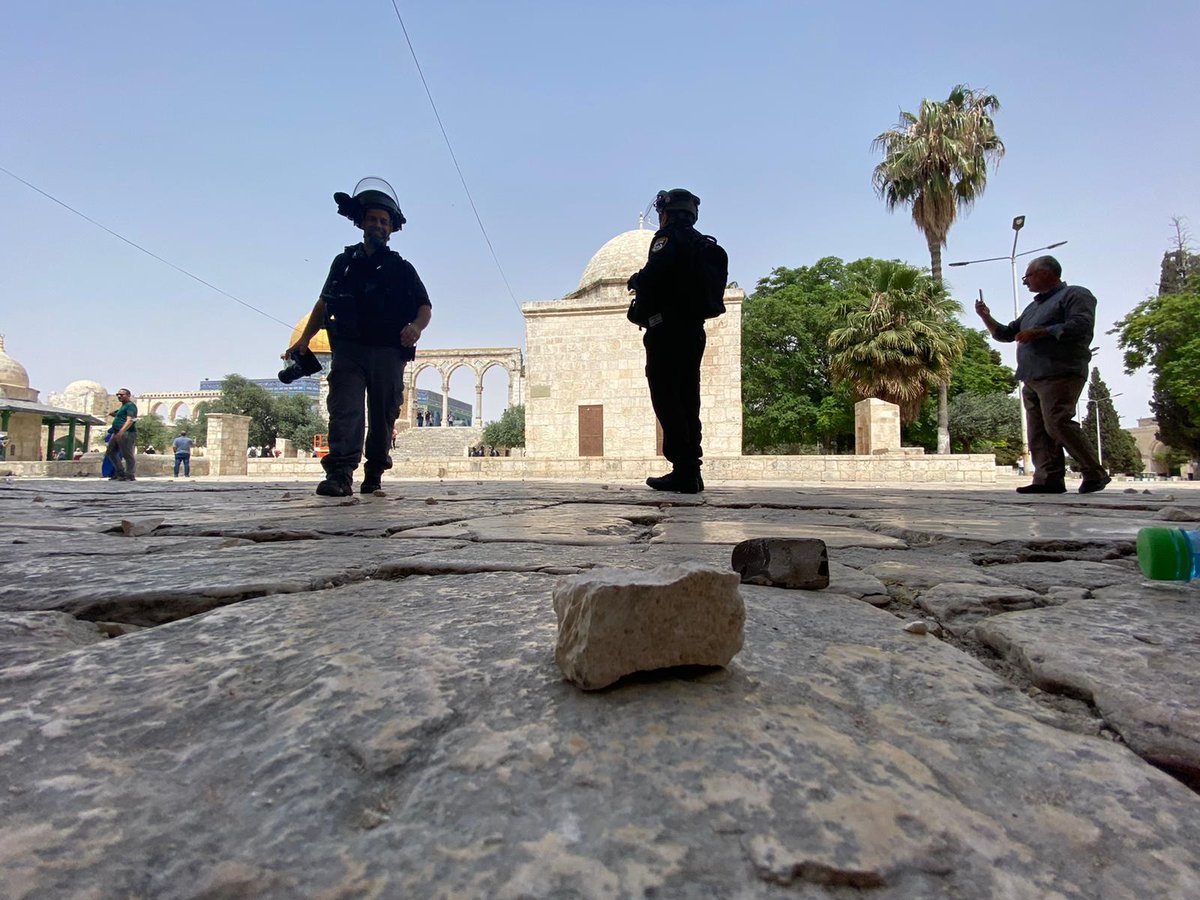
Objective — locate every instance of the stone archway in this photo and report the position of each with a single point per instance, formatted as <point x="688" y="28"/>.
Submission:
<point x="478" y="361"/>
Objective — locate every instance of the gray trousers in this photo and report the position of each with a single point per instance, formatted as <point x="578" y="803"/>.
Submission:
<point x="120" y="453"/>
<point x="1050" y="413"/>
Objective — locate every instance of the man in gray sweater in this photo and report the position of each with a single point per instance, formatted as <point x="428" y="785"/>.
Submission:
<point x="1054" y="334"/>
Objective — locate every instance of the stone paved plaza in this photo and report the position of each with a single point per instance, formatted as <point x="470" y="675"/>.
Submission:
<point x="269" y="694"/>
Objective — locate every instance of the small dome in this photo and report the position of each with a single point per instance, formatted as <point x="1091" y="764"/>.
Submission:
<point x="320" y="341"/>
<point x="619" y="258"/>
<point x="83" y="387"/>
<point x="12" y="373"/>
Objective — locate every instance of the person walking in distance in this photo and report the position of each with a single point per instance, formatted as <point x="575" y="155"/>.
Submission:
<point x="183" y="453"/>
<point x="375" y="308"/>
<point x="1053" y="334"/>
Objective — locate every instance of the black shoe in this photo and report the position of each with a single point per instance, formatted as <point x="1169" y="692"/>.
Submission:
<point x="370" y="485"/>
<point x="126" y="478"/>
<point x="1050" y="487"/>
<point x="335" y="487"/>
<point x="1091" y="485"/>
<point x="676" y="482"/>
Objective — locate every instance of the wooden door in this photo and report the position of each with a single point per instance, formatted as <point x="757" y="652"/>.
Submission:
<point x="591" y="430"/>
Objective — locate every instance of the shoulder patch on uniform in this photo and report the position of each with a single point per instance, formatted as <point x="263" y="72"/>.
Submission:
<point x="659" y="244"/>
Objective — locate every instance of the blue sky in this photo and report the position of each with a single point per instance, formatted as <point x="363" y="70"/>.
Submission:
<point x="215" y="134"/>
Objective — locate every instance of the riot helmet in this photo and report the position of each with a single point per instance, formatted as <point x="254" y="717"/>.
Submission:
<point x="678" y="200"/>
<point x="370" y="193"/>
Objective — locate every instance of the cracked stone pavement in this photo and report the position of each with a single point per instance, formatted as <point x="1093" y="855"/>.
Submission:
<point x="273" y="694"/>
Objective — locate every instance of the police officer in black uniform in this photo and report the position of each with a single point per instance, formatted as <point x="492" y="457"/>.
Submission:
<point x="374" y="307"/>
<point x="666" y="306"/>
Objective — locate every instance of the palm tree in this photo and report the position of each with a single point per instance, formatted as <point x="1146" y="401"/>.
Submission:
<point x="900" y="336"/>
<point x="937" y="163"/>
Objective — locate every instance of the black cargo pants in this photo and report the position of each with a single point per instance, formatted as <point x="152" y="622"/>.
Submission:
<point x="358" y="370"/>
<point x="674" y="351"/>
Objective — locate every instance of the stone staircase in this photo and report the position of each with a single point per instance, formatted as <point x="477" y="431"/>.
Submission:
<point x="436" y="442"/>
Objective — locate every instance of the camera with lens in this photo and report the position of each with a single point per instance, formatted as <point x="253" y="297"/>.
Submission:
<point x="303" y="362"/>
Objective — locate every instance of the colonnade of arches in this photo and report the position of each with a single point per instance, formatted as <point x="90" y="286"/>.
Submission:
<point x="446" y="363"/>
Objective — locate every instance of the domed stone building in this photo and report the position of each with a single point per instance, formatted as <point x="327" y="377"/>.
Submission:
<point x="586" y="368"/>
<point x="22" y="416"/>
<point x="85" y="396"/>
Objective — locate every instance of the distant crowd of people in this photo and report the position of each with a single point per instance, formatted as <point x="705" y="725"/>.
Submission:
<point x="428" y="418"/>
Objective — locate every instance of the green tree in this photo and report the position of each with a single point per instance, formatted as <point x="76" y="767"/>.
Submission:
<point x="1179" y="263"/>
<point x="899" y="337"/>
<point x="1163" y="333"/>
<point x="507" y="431"/>
<point x="297" y="419"/>
<point x="153" y="432"/>
<point x="1119" y="449"/>
<point x="243" y="397"/>
<point x="981" y="422"/>
<point x="787" y="390"/>
<point x="936" y="162"/>
<point x="980" y="371"/>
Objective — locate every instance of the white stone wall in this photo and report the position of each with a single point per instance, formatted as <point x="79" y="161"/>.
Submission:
<point x="24" y="437"/>
<point x="876" y="427"/>
<point x="583" y="351"/>
<point x="228" y="437"/>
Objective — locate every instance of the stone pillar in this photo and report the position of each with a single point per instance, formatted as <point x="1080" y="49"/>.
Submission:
<point x="323" y="398"/>
<point x="228" y="436"/>
<point x="287" y="450"/>
<point x="876" y="427"/>
<point x="479" y="402"/>
<point x="445" y="401"/>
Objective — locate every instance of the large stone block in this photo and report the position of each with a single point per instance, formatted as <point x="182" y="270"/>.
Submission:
<point x="613" y="622"/>
<point x="783" y="562"/>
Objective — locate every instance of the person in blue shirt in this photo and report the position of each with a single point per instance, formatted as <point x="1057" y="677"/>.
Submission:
<point x="183" y="453"/>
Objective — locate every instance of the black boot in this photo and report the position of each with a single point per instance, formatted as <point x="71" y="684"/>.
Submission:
<point x="336" y="484"/>
<point x="1056" y="486"/>
<point x="677" y="481"/>
<point x="373" y="476"/>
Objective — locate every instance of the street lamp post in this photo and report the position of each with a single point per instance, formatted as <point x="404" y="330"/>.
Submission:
<point x="1096" y="403"/>
<point x="1018" y="223"/>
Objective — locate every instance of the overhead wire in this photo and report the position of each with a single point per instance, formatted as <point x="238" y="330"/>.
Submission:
<point x="137" y="246"/>
<point x="453" y="157"/>
<point x="239" y="300"/>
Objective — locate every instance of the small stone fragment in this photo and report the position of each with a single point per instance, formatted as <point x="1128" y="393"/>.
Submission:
<point x="1148" y="639"/>
<point x="1130" y="491"/>
<point x="379" y="493"/>
<point x="613" y="622"/>
<point x="801" y="563"/>
<point x="917" y="627"/>
<point x="140" y="526"/>
<point x="1175" y="514"/>
<point x="429" y="501"/>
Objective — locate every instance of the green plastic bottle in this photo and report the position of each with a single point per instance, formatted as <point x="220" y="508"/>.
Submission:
<point x="1169" y="554"/>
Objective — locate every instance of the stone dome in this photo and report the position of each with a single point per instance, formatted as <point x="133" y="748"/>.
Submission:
<point x="83" y="387"/>
<point x="12" y="373"/>
<point x="619" y="258"/>
<point x="320" y="341"/>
